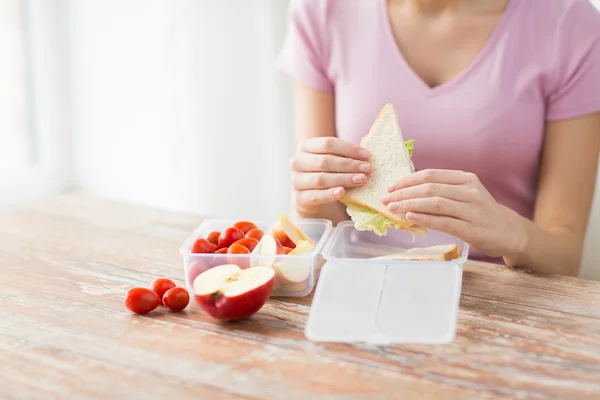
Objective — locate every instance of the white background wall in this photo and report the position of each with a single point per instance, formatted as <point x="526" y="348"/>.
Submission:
<point x="177" y="104"/>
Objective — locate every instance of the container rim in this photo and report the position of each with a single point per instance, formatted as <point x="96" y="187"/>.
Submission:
<point x="337" y="232"/>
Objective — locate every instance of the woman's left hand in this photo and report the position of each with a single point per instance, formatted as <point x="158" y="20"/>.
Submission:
<point x="457" y="203"/>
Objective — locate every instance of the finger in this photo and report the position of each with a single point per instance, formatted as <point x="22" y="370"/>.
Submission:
<point x="449" y="225"/>
<point x="335" y="146"/>
<point x="452" y="192"/>
<point x="445" y="176"/>
<point x="309" y="198"/>
<point x="307" y="162"/>
<point x="433" y="206"/>
<point x="325" y="180"/>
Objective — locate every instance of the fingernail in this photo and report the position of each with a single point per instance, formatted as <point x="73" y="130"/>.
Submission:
<point x="337" y="192"/>
<point x="363" y="153"/>
<point x="412" y="216"/>
<point x="393" y="206"/>
<point x="386" y="200"/>
<point x="357" y="179"/>
<point x="365" y="168"/>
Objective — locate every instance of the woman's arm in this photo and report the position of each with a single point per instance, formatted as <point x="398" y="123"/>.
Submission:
<point x="553" y="242"/>
<point x="315" y="117"/>
<point x="457" y="203"/>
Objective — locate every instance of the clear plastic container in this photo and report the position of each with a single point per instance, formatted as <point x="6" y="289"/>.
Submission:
<point x="382" y="301"/>
<point x="304" y="266"/>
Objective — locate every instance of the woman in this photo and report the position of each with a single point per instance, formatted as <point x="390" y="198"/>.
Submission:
<point x="502" y="99"/>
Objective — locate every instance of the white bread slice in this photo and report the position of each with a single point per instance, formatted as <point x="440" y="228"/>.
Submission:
<point x="432" y="253"/>
<point x="390" y="159"/>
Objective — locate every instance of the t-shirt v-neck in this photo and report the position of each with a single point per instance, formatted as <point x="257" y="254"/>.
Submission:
<point x="487" y="50"/>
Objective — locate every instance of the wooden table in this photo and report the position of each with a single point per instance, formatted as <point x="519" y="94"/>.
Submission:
<point x="65" y="333"/>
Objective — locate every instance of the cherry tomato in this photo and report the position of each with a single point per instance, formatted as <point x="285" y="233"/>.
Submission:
<point x="213" y="237"/>
<point x="222" y="250"/>
<point x="244" y="226"/>
<point x="176" y="299"/>
<point x="161" y="285"/>
<point x="203" y="246"/>
<point x="229" y="236"/>
<point x="196" y="268"/>
<point x="241" y="262"/>
<point x="238" y="249"/>
<point x="255" y="234"/>
<point x="286" y="250"/>
<point x="141" y="300"/>
<point x="248" y="243"/>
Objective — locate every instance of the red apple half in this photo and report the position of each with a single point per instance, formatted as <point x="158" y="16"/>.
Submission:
<point x="227" y="292"/>
<point x="287" y="232"/>
<point x="291" y="270"/>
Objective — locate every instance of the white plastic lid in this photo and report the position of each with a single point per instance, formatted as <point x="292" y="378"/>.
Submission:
<point x="383" y="301"/>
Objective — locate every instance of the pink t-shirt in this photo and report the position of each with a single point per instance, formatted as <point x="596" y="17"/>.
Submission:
<point x="541" y="63"/>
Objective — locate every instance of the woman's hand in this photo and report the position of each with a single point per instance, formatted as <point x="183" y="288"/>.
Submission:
<point x="324" y="167"/>
<point x="457" y="203"/>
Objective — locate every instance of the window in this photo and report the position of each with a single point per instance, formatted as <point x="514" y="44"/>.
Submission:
<point x="34" y="157"/>
<point x="15" y="131"/>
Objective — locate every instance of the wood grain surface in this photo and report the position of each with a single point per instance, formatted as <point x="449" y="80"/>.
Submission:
<point x="65" y="333"/>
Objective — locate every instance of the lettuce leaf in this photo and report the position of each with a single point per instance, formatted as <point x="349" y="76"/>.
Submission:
<point x="366" y="219"/>
<point x="410" y="145"/>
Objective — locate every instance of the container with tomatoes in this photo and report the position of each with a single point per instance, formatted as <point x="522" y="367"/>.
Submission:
<point x="291" y="248"/>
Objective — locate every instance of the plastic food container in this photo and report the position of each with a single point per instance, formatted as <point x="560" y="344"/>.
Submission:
<point x="304" y="266"/>
<point x="359" y="299"/>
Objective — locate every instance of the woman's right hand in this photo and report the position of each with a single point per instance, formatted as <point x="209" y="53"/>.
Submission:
<point x="324" y="167"/>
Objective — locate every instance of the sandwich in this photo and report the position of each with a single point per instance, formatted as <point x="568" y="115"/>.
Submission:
<point x="390" y="158"/>
<point x="433" y="253"/>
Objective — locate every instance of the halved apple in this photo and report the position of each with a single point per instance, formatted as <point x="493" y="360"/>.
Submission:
<point x="227" y="292"/>
<point x="287" y="232"/>
<point x="265" y="251"/>
<point x="294" y="269"/>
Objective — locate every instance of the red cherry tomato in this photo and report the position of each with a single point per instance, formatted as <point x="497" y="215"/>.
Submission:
<point x="176" y="299"/>
<point x="161" y="285"/>
<point x="286" y="250"/>
<point x="141" y="300"/>
<point x="255" y="234"/>
<point x="241" y="262"/>
<point x="213" y="237"/>
<point x="203" y="246"/>
<point x="244" y="226"/>
<point x="222" y="250"/>
<point x="229" y="236"/>
<point x="196" y="268"/>
<point x="248" y="243"/>
<point x="238" y="249"/>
